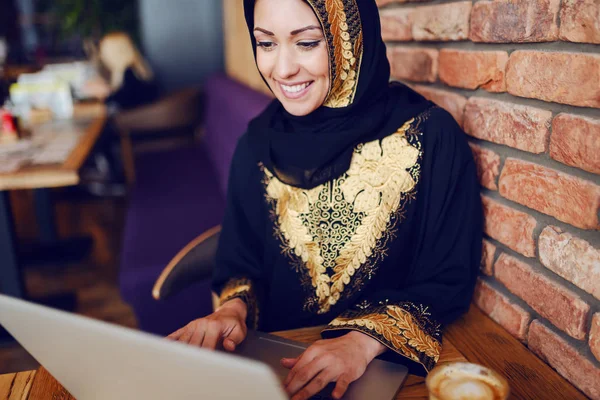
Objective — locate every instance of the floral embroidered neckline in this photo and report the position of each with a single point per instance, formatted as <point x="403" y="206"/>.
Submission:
<point x="343" y="226"/>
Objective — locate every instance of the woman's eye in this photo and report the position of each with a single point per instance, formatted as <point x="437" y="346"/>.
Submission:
<point x="266" y="46"/>
<point x="309" y="45"/>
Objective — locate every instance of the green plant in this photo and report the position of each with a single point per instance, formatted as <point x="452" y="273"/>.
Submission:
<point x="94" y="18"/>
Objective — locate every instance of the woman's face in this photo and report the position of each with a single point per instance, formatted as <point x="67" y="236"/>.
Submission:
<point x="116" y="53"/>
<point x="292" y="54"/>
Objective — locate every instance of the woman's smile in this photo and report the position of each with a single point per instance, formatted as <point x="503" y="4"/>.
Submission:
<point x="295" y="91"/>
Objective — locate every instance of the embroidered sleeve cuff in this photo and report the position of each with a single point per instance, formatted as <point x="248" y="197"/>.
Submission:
<point x="243" y="289"/>
<point x="404" y="328"/>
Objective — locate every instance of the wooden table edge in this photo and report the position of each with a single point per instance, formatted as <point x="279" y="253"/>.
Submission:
<point x="39" y="179"/>
<point x="20" y="385"/>
<point x="65" y="174"/>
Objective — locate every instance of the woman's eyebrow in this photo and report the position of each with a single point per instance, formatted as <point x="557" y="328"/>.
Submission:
<point x="306" y="28"/>
<point x="266" y="32"/>
<point x="292" y="33"/>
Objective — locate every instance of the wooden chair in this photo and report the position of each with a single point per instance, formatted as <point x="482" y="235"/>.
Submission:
<point x="193" y="263"/>
<point x="178" y="111"/>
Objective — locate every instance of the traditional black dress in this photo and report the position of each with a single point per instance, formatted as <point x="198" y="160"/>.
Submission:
<point x="364" y="215"/>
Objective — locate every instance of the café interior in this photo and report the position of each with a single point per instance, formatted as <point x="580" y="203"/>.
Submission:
<point x="105" y="194"/>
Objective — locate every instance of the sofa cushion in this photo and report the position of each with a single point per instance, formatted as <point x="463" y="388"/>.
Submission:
<point x="229" y="107"/>
<point x="175" y="199"/>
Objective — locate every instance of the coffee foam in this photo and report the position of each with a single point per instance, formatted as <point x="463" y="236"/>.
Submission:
<point x="465" y="381"/>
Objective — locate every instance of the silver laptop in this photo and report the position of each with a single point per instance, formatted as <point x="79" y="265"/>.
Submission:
<point x="97" y="360"/>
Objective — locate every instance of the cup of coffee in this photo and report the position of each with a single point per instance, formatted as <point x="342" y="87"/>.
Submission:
<point x="466" y="381"/>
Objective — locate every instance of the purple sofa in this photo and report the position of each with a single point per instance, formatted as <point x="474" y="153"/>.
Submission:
<point x="178" y="195"/>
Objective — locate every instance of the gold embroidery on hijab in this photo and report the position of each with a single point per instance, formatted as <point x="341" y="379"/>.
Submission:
<point x="345" y="45"/>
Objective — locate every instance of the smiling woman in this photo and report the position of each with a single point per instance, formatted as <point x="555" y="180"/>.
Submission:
<point x="353" y="202"/>
<point x="292" y="54"/>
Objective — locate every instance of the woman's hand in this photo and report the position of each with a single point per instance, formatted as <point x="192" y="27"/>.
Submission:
<point x="342" y="360"/>
<point x="227" y="324"/>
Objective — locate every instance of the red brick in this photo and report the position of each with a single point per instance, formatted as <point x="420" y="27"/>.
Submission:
<point x="595" y="336"/>
<point x="487" y="257"/>
<point x="525" y="128"/>
<point x="442" y="22"/>
<point x="567" y="198"/>
<point x="473" y="69"/>
<point x="580" y="21"/>
<point x="506" y="21"/>
<point x="451" y="102"/>
<point x="509" y="226"/>
<point x="396" y="24"/>
<point x="561" y="306"/>
<point x="561" y="356"/>
<point x="413" y="64"/>
<point x="572" y="258"/>
<point x="568" y="78"/>
<point x="575" y="141"/>
<point x="498" y="306"/>
<point x="488" y="164"/>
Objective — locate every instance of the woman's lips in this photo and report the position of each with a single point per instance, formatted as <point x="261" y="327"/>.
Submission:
<point x="294" y="92"/>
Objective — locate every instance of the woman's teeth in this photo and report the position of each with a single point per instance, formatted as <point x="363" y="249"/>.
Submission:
<point x="295" y="88"/>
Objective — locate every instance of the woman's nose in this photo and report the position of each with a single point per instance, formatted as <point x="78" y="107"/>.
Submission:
<point x="287" y="66"/>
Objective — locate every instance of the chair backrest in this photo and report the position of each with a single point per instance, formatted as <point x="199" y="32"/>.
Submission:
<point x="177" y="110"/>
<point x="229" y="107"/>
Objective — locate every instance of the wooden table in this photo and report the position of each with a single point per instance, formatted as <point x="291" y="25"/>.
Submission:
<point x="86" y="127"/>
<point x="88" y="121"/>
<point x="474" y="337"/>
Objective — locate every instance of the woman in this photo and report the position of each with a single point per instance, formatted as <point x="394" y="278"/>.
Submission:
<point x="131" y="79"/>
<point x="131" y="85"/>
<point x="352" y="203"/>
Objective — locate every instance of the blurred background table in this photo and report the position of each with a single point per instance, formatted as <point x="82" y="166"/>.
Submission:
<point x="39" y="169"/>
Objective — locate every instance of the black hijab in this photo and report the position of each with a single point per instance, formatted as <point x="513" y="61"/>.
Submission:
<point x="361" y="105"/>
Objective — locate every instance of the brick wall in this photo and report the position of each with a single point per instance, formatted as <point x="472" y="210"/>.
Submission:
<point x="522" y="77"/>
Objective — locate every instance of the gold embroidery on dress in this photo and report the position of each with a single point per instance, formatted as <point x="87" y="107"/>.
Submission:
<point x="405" y="328"/>
<point x="384" y="325"/>
<point x="231" y="291"/>
<point x="343" y="226"/>
<point x="343" y="30"/>
<point x="242" y="288"/>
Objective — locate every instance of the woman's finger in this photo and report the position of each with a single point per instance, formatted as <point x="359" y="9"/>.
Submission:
<point x="211" y="337"/>
<point x="229" y="344"/>
<point x="233" y="339"/>
<point x="186" y="335"/>
<point x="289" y="362"/>
<point x="197" y="337"/>
<point x="304" y="375"/>
<point x="304" y="358"/>
<point x="175" y="335"/>
<point x="317" y="384"/>
<point x="340" y="387"/>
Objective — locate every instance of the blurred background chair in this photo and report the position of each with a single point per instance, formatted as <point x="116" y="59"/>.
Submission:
<point x="176" y="196"/>
<point x="167" y="118"/>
